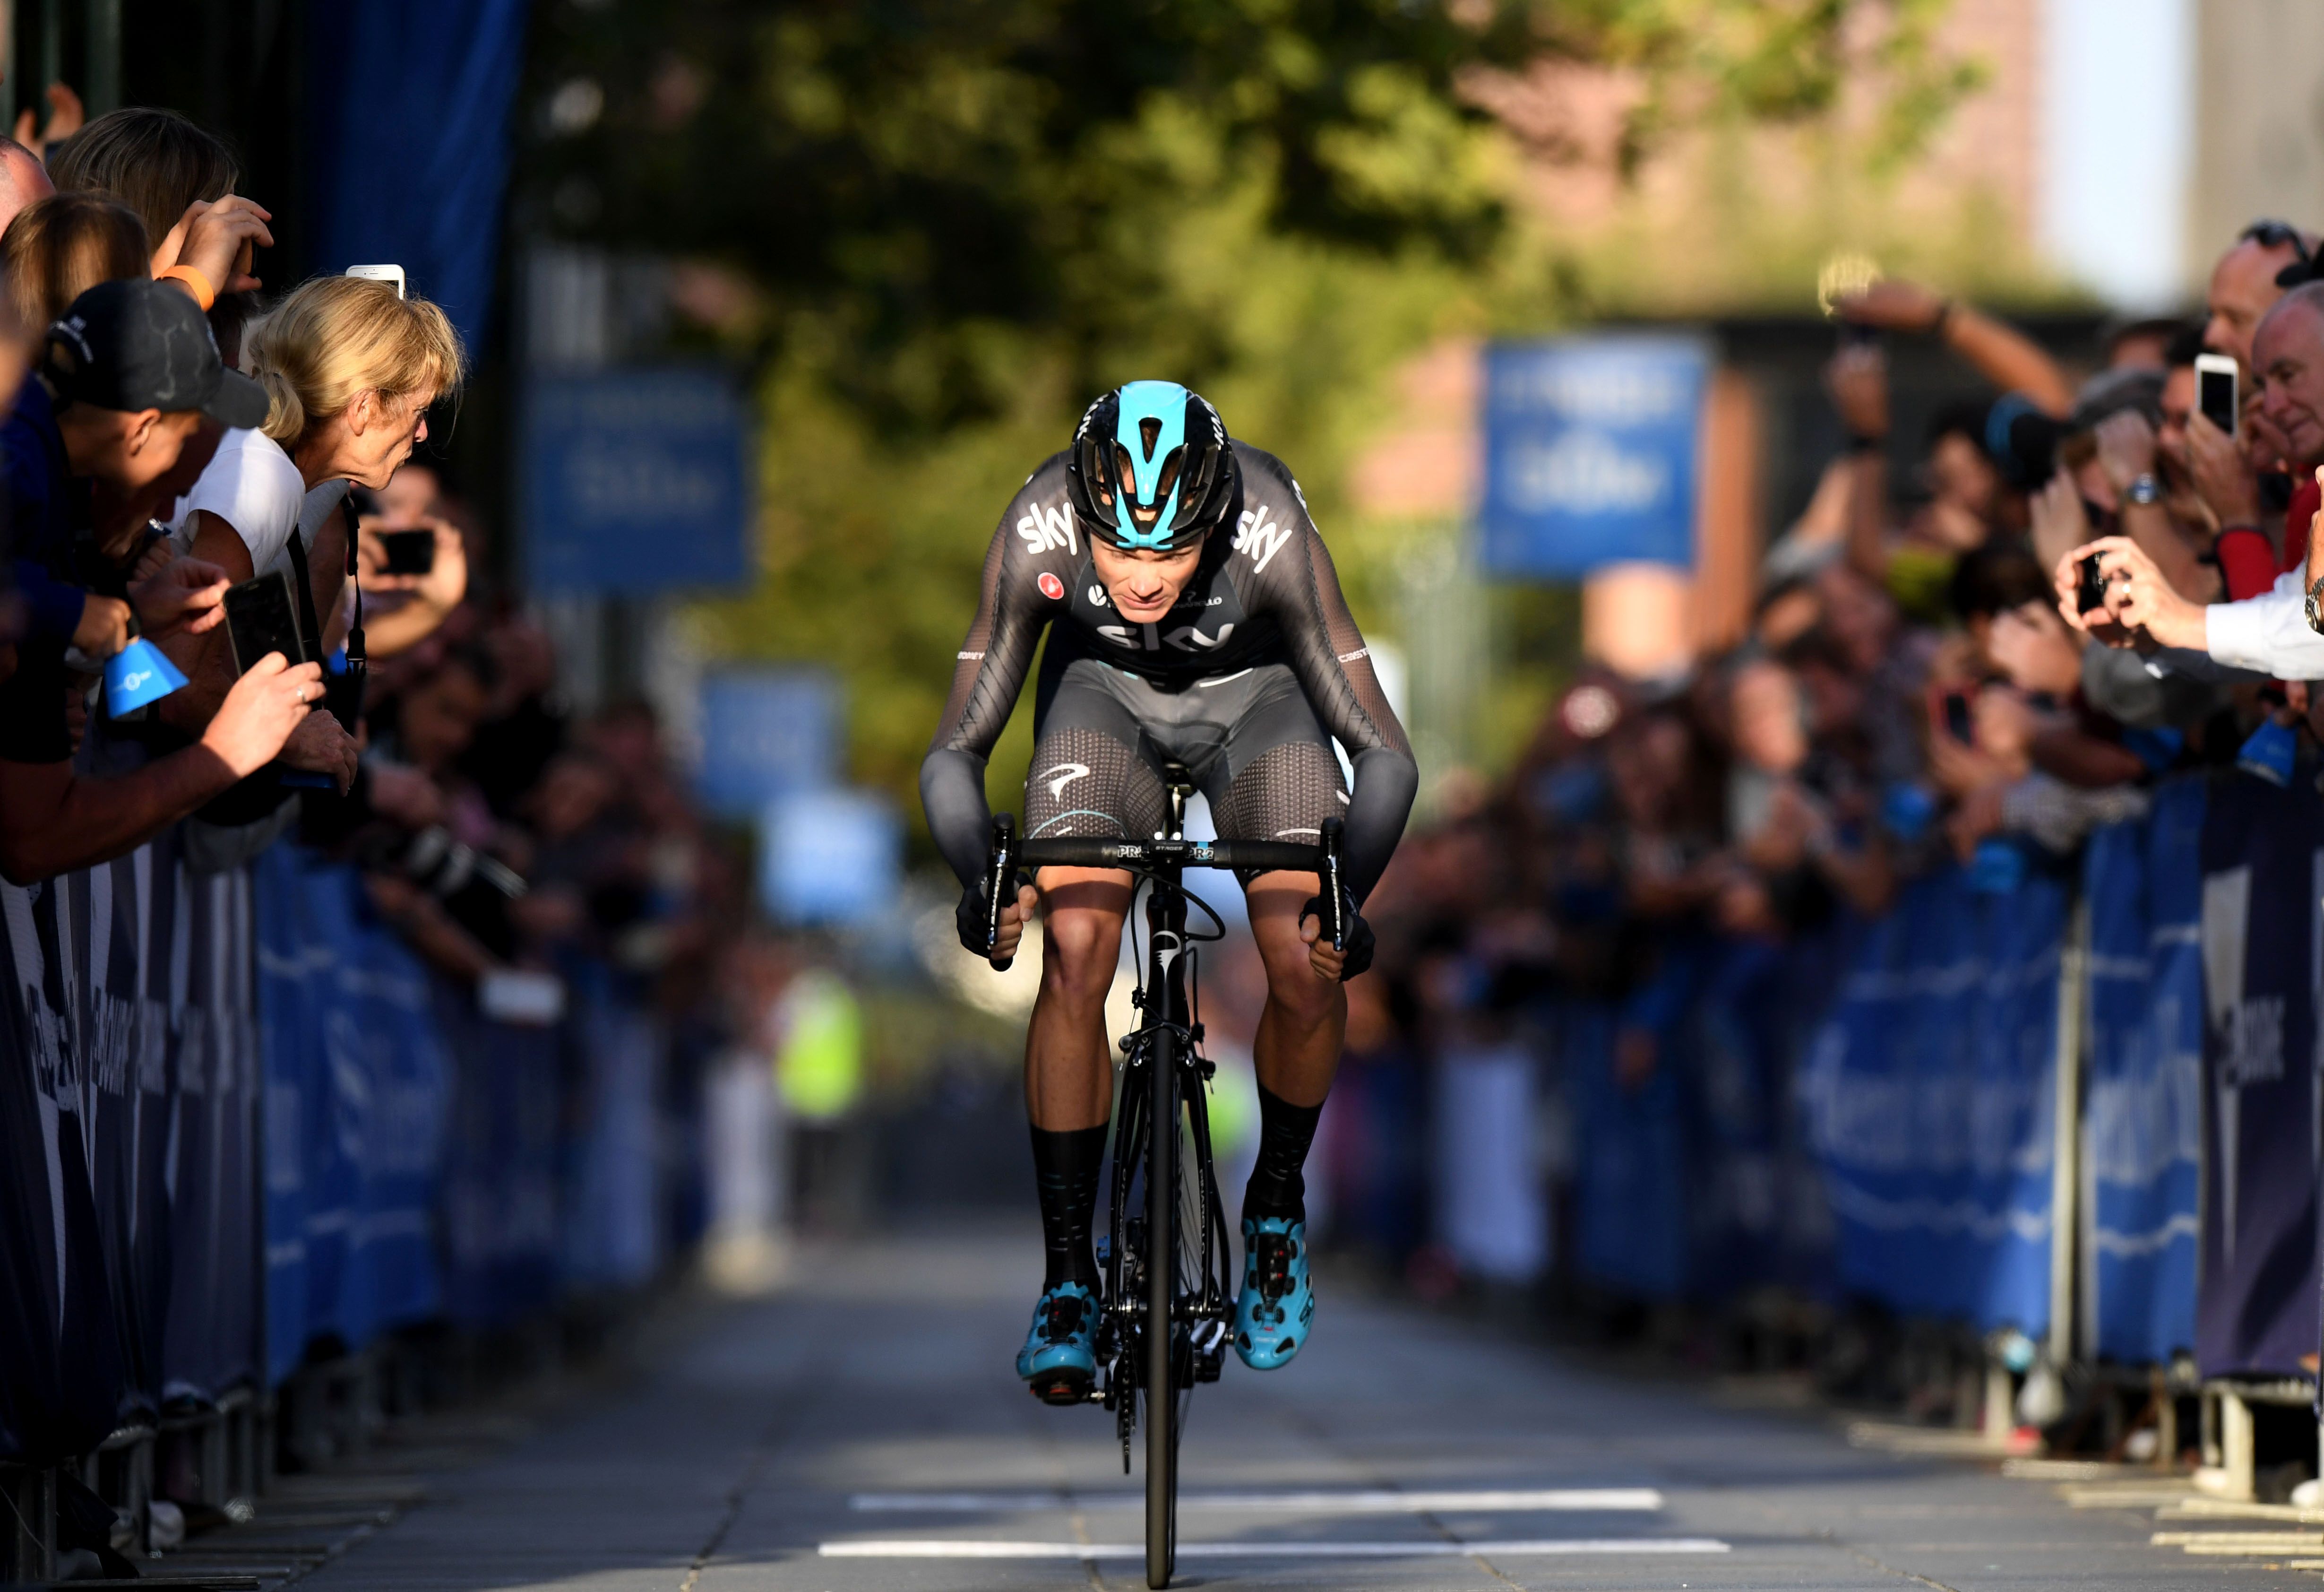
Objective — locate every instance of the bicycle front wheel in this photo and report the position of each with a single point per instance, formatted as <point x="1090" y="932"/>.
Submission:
<point x="1161" y="1285"/>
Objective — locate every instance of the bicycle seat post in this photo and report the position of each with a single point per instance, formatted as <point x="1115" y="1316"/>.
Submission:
<point x="1165" y="909"/>
<point x="1179" y="781"/>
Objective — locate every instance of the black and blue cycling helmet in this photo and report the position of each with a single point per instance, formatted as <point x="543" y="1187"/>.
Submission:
<point x="1150" y="468"/>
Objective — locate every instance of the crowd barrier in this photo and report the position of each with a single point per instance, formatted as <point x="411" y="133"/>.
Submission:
<point x="244" y="1134"/>
<point x="2076" y="1103"/>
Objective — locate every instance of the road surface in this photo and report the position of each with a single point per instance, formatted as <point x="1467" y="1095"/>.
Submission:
<point x="861" y="1431"/>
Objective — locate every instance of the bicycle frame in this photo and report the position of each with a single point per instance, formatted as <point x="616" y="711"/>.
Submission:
<point x="1164" y="1326"/>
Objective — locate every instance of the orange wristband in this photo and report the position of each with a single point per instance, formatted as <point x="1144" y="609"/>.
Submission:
<point x="204" y="293"/>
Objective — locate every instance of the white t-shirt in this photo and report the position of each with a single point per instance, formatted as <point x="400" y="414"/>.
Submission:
<point x="253" y="486"/>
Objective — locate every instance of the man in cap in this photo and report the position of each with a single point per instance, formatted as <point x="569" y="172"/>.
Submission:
<point x="129" y="398"/>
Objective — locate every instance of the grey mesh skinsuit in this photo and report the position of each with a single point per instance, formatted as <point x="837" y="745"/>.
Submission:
<point x="1247" y="681"/>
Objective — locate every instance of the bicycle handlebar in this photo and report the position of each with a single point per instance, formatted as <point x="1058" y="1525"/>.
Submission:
<point x="1010" y="854"/>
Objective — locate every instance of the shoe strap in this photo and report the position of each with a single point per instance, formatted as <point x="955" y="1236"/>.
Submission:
<point x="1272" y="1255"/>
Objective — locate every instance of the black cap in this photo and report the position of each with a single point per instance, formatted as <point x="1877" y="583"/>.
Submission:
<point x="134" y="344"/>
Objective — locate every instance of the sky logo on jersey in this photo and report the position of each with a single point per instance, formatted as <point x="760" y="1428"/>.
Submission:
<point x="1046" y="526"/>
<point x="1051" y="587"/>
<point x="1150" y="429"/>
<point x="1259" y="537"/>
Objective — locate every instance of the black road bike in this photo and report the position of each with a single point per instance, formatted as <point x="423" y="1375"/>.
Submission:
<point x="1169" y="1292"/>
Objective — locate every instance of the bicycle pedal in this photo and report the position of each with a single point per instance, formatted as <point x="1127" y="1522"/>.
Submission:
<point x="1065" y="1389"/>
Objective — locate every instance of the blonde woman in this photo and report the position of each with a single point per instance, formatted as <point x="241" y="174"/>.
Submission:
<point x="350" y="370"/>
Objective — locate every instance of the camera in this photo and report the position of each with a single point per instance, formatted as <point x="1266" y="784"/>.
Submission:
<point x="441" y="865"/>
<point x="2090" y="585"/>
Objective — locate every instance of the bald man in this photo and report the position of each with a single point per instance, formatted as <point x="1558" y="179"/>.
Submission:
<point x="22" y="179"/>
<point x="2244" y="285"/>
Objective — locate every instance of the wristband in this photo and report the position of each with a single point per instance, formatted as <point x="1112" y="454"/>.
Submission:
<point x="205" y="294"/>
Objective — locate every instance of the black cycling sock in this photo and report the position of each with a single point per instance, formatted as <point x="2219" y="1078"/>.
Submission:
<point x="1066" y="1171"/>
<point x="1285" y="1131"/>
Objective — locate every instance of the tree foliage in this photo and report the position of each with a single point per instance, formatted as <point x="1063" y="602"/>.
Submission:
<point x="958" y="218"/>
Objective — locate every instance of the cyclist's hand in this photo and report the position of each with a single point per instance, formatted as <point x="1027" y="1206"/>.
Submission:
<point x="969" y="918"/>
<point x="1339" y="966"/>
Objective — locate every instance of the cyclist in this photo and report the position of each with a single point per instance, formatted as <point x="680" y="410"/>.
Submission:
<point x="1194" y="617"/>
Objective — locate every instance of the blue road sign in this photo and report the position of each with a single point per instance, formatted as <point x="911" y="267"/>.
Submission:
<point x="636" y="481"/>
<point x="1589" y="452"/>
<point x="766" y="733"/>
<point x="829" y="857"/>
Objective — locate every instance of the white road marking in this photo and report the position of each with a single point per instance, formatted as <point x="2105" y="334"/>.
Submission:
<point x="1513" y="1548"/>
<point x="1379" y="1502"/>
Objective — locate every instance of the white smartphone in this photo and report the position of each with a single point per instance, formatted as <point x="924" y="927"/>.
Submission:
<point x="393" y="273"/>
<point x="2215" y="390"/>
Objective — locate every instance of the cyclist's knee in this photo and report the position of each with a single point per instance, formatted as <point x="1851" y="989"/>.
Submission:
<point x="1079" y="952"/>
<point x="1293" y="984"/>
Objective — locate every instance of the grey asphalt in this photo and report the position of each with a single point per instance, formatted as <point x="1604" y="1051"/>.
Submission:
<point x="741" y="1449"/>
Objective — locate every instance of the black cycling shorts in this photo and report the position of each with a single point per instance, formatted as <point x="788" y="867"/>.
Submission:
<point x="1249" y="739"/>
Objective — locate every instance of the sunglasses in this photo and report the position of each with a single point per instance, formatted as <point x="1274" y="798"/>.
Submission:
<point x="2275" y="235"/>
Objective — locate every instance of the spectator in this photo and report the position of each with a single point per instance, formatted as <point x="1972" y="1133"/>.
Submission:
<point x="1982" y="461"/>
<point x="2004" y="356"/>
<point x="180" y="182"/>
<point x="23" y="180"/>
<point x="66" y="116"/>
<point x="349" y="370"/>
<point x="2245" y="283"/>
<point x="59" y="247"/>
<point x="405" y="609"/>
<point x="53" y="251"/>
<point x="127" y="382"/>
<point x="2267" y="633"/>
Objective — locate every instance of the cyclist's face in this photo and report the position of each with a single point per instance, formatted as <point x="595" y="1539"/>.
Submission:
<point x="1144" y="585"/>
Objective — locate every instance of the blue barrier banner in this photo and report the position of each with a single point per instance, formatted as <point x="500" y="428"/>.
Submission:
<point x="1589" y="452"/>
<point x="613" y="1230"/>
<point x="500" y="1200"/>
<point x="2143" y="1104"/>
<point x="357" y="1075"/>
<point x="61" y="1359"/>
<point x="1630" y="1182"/>
<point x="103" y="919"/>
<point x="1931" y="1099"/>
<point x="2262" y="872"/>
<point x="1757" y="1202"/>
<point x="1492" y="1212"/>
<point x="213" y="1340"/>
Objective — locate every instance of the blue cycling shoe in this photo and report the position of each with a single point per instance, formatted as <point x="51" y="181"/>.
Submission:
<point x="1277" y="1304"/>
<point x="1059" y="1359"/>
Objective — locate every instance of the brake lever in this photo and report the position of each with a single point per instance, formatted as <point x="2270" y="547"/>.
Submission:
<point x="1000" y="865"/>
<point x="1334" y="831"/>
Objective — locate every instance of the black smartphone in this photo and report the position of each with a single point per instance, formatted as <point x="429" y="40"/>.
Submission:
<point x="2215" y="390"/>
<point x="2090" y="585"/>
<point x="262" y="617"/>
<point x="1957" y="721"/>
<point x="407" y="552"/>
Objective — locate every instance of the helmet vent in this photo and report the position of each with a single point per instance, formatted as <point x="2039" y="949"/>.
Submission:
<point x="1151" y="430"/>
